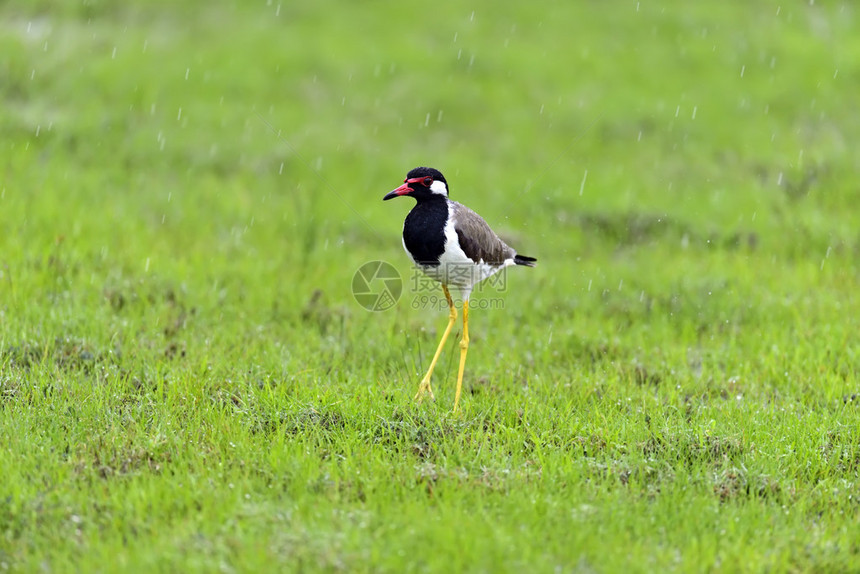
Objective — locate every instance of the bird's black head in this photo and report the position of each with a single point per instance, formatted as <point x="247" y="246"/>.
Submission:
<point x="422" y="183"/>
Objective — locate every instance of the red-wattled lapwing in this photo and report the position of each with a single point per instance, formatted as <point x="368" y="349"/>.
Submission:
<point x="451" y="244"/>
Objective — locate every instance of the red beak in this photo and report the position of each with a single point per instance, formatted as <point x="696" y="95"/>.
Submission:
<point x="402" y="190"/>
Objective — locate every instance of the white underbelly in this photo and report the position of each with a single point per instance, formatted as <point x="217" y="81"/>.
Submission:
<point x="455" y="268"/>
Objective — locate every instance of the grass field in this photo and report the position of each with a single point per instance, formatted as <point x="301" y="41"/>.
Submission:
<point x="188" y="384"/>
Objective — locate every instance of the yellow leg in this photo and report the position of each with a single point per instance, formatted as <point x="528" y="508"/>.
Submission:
<point x="464" y="348"/>
<point x="424" y="387"/>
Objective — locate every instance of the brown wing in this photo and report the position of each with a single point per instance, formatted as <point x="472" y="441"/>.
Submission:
<point x="477" y="239"/>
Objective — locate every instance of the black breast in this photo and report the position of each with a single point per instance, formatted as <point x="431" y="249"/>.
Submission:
<point x="424" y="231"/>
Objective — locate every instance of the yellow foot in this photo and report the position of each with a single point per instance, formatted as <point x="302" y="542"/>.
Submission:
<point x="424" y="388"/>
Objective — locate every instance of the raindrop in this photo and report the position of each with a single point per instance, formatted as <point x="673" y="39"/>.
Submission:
<point x="38" y="128"/>
<point x="472" y="17"/>
<point x="677" y="110"/>
<point x="589" y="285"/>
<point x="152" y="109"/>
<point x="427" y="120"/>
<point x="278" y="10"/>
<point x="113" y="54"/>
<point x="826" y="254"/>
<point x="620" y="283"/>
<point x="582" y="183"/>
<point x="639" y="137"/>
<point x="179" y="115"/>
<point x="742" y="70"/>
<point x="145" y="44"/>
<point x="439" y="117"/>
<point x="187" y="71"/>
<point x="695" y="108"/>
<point x="281" y="169"/>
<point x="835" y="73"/>
<point x="146" y="267"/>
<point x="455" y="36"/>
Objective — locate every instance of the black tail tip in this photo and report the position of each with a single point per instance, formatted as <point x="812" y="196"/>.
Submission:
<point x="525" y="260"/>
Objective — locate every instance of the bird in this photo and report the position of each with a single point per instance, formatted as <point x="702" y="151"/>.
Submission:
<point x="453" y="245"/>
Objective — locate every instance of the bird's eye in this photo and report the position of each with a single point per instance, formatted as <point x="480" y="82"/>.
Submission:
<point x="428" y="181"/>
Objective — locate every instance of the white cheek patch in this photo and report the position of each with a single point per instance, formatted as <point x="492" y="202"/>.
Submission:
<point x="439" y="188"/>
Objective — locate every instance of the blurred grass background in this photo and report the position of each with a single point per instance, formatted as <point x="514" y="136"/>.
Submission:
<point x="187" y="190"/>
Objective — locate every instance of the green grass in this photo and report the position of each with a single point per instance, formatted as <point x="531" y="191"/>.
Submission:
<point x="187" y="383"/>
